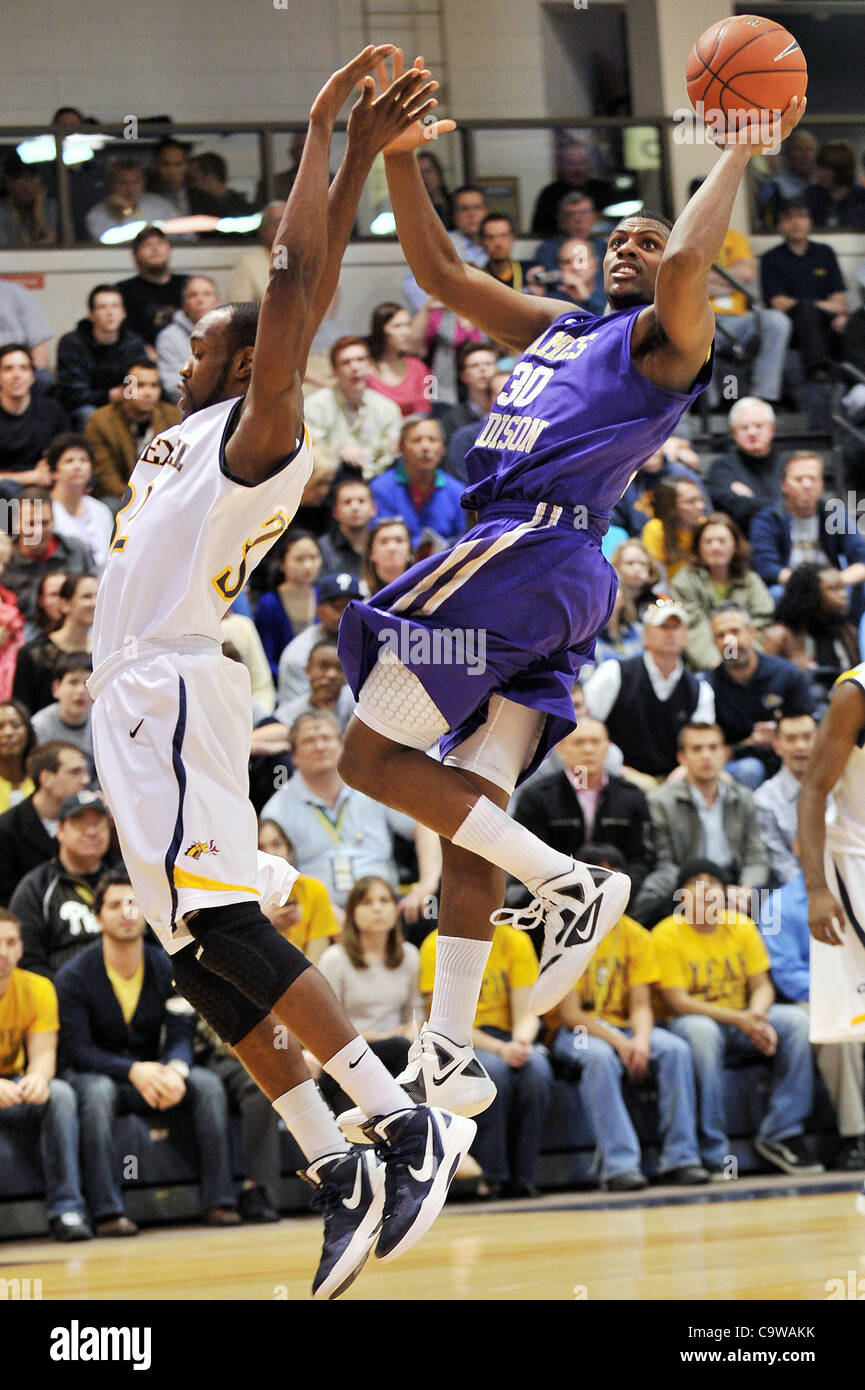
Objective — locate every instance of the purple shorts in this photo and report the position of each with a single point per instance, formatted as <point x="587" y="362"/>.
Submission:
<point x="513" y="608"/>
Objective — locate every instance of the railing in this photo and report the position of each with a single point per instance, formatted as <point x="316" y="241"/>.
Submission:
<point x="630" y="159"/>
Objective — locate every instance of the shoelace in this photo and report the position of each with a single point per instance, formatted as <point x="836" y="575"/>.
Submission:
<point x="522" y="918"/>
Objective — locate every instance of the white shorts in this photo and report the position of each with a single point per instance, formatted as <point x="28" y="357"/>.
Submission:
<point x="837" y="1012"/>
<point x="171" y="737"/>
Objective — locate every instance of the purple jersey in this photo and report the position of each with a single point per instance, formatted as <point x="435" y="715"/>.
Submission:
<point x="575" y="420"/>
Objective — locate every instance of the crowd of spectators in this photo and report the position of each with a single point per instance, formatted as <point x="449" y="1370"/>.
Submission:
<point x="741" y="590"/>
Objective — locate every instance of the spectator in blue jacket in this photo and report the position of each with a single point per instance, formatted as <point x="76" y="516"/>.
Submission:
<point x="805" y="526"/>
<point x="784" y="925"/>
<point x="116" y="1002"/>
<point x="416" y="488"/>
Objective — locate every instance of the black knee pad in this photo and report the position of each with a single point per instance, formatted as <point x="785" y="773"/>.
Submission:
<point x="238" y="943"/>
<point x="230" y="1014"/>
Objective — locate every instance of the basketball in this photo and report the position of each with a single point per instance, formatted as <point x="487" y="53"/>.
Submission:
<point x="744" y="65"/>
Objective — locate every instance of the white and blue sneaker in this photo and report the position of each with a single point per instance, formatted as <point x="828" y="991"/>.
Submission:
<point x="577" y="909"/>
<point x="860" y="1201"/>
<point x="350" y="1193"/>
<point x="421" y="1150"/>
<point x="437" y="1072"/>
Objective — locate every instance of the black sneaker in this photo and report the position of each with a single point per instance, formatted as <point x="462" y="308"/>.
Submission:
<point x="851" y="1157"/>
<point x="69" y="1225"/>
<point x="790" y="1155"/>
<point x="254" y="1205"/>
<point x="689" y="1175"/>
<point x="626" y="1182"/>
<point x="350" y="1193"/>
<point x="421" y="1150"/>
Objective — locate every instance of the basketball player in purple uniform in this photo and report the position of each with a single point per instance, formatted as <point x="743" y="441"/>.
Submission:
<point x="478" y="647"/>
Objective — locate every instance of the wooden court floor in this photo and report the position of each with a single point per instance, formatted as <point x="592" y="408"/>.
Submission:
<point x="785" y="1248"/>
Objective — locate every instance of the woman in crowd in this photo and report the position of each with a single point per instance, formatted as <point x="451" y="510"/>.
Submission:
<point x="76" y="513"/>
<point x="679" y="506"/>
<point x="16" y="740"/>
<point x="396" y="374"/>
<point x="639" y="578"/>
<point x="308" y="919"/>
<point x="718" y="572"/>
<point x="374" y="974"/>
<point x="36" y="668"/>
<point x="812" y="627"/>
<point x="387" y="554"/>
<point x="11" y="624"/>
<point x="622" y="637"/>
<point x="443" y="331"/>
<point x="47" y="612"/>
<point x="434" y="182"/>
<point x="288" y="607"/>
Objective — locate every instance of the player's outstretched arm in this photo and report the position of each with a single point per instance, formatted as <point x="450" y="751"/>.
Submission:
<point x="836" y="738"/>
<point x="500" y="312"/>
<point x="682" y="310"/>
<point x="271" y="422"/>
<point x="373" y="123"/>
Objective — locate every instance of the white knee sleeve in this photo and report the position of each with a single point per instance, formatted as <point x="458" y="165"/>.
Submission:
<point x="503" y="745"/>
<point x="393" y="703"/>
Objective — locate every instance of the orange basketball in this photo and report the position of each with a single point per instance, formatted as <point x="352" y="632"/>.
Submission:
<point x="745" y="64"/>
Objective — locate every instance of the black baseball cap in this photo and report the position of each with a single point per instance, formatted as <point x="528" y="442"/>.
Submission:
<point x="82" y="801"/>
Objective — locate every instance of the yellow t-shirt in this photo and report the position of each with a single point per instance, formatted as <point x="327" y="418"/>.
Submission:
<point x="713" y="966"/>
<point x="736" y="248"/>
<point x="28" y="1006"/>
<point x="625" y="957"/>
<point x="652" y="537"/>
<point x="22" y="791"/>
<point x="318" y="919"/>
<point x="512" y="964"/>
<point x="127" y="991"/>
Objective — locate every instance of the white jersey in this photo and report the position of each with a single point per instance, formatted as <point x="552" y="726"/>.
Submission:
<point x="845" y="820"/>
<point x="189" y="534"/>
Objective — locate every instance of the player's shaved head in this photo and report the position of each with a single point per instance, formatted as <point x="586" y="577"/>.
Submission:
<point x="657" y="219"/>
<point x="213" y="371"/>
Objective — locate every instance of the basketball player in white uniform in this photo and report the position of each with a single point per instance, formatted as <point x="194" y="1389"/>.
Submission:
<point x="172" y="718"/>
<point x="832" y="852"/>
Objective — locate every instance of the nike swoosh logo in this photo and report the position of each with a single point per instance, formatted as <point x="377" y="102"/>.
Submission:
<point x="425" y="1171"/>
<point x="133" y="732"/>
<point x="354" y="1200"/>
<point x="353" y="1064"/>
<point x="443" y="1076"/>
<point x="583" y="929"/>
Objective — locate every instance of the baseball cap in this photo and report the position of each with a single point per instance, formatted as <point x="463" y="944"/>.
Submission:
<point x="663" y="608"/>
<point x="337" y="586"/>
<point x="82" y="801"/>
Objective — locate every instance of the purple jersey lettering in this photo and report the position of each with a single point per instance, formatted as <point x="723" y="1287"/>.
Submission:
<point x="575" y="419"/>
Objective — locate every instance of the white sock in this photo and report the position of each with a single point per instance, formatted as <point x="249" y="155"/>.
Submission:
<point x="460" y="965"/>
<point x="364" y="1077"/>
<point x="310" y="1121"/>
<point x="493" y="835"/>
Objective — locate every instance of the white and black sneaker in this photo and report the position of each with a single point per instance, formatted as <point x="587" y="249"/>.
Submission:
<point x="350" y="1193"/>
<point x="790" y="1155"/>
<point x="437" y="1072"/>
<point x="577" y="910"/>
<point x="421" y="1150"/>
<point x="860" y="1201"/>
